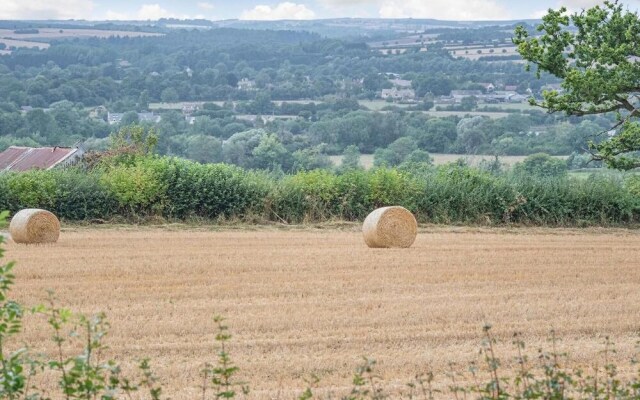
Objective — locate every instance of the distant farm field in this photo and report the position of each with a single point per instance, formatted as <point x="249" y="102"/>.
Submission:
<point x="11" y="39"/>
<point x="55" y="33"/>
<point x="312" y="302"/>
<point x="366" y="160"/>
<point x="24" y="43"/>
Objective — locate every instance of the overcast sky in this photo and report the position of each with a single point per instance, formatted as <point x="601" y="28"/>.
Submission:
<point x="293" y="9"/>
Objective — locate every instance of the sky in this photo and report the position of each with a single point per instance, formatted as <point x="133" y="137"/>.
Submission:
<point x="289" y="9"/>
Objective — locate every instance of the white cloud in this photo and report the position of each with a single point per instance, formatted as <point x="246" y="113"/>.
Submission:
<point x="153" y="12"/>
<point x="146" y="12"/>
<point x="203" y="5"/>
<point x="346" y="3"/>
<point x="46" y="9"/>
<point x="350" y="8"/>
<point x="456" y="10"/>
<point x="539" y="14"/>
<point x="115" y="16"/>
<point x="284" y="10"/>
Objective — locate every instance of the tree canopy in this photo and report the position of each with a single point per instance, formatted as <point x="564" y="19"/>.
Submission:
<point x="596" y="54"/>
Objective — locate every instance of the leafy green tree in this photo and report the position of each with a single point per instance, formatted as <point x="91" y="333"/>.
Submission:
<point x="375" y="82"/>
<point x="238" y="149"/>
<point x="436" y="135"/>
<point x="396" y="153"/>
<point x="541" y="165"/>
<point x="350" y="158"/>
<point x="40" y="123"/>
<point x="169" y="95"/>
<point x="438" y="85"/>
<point x="470" y="134"/>
<point x="130" y="118"/>
<point x="310" y="158"/>
<point x="469" y="103"/>
<point x="262" y="104"/>
<point x="594" y="52"/>
<point x="231" y="79"/>
<point x="419" y="156"/>
<point x="270" y="153"/>
<point x="204" y="149"/>
<point x="126" y="145"/>
<point x="143" y="100"/>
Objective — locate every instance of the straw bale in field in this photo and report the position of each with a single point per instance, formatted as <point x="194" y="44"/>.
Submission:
<point x="32" y="226"/>
<point x="390" y="227"/>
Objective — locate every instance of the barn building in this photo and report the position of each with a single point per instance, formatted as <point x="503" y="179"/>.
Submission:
<point x="19" y="159"/>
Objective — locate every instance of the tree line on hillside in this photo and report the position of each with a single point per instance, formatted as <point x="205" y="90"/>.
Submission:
<point x="216" y="133"/>
<point x="207" y="65"/>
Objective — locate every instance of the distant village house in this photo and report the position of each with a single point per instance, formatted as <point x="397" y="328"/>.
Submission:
<point x="246" y="84"/>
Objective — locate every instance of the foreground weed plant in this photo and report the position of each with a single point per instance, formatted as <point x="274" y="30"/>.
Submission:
<point x="221" y="377"/>
<point x="86" y="375"/>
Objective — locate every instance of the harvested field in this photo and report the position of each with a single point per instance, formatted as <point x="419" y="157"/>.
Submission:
<point x="57" y="33"/>
<point x="303" y="302"/>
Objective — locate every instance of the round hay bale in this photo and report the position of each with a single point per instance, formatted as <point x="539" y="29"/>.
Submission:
<point x="390" y="227"/>
<point x="32" y="226"/>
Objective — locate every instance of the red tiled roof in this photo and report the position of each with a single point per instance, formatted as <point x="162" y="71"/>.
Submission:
<point x="26" y="158"/>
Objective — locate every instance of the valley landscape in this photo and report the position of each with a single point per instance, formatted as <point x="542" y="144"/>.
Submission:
<point x="319" y="199"/>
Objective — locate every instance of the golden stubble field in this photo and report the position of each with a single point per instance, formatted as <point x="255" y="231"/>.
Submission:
<point x="303" y="302"/>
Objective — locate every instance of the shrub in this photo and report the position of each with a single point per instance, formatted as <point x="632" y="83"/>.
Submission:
<point x="211" y="190"/>
<point x="461" y="194"/>
<point x="138" y="187"/>
<point x="305" y="196"/>
<point x="542" y="165"/>
<point x="352" y="201"/>
<point x="173" y="188"/>
<point x="32" y="189"/>
<point x="4" y="193"/>
<point x="179" y="179"/>
<point x="80" y="196"/>
<point x="391" y="187"/>
<point x="632" y="183"/>
<point x="225" y="190"/>
<point x="603" y="199"/>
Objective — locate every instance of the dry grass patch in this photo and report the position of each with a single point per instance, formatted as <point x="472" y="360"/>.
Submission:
<point x="314" y="302"/>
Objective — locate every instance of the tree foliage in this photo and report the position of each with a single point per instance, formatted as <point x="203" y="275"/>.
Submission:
<point x="595" y="53"/>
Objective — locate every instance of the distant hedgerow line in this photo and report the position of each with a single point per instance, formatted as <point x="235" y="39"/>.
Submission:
<point x="177" y="189"/>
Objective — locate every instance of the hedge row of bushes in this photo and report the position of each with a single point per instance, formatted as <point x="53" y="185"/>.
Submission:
<point x="179" y="189"/>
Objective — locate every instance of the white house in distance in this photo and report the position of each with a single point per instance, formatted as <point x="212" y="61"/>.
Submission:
<point x="246" y="84"/>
